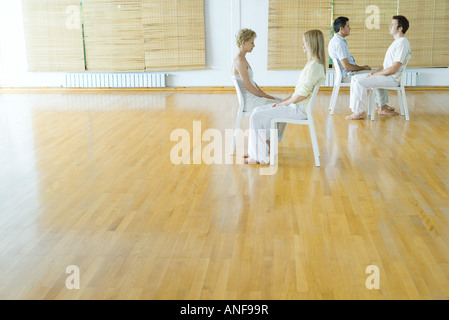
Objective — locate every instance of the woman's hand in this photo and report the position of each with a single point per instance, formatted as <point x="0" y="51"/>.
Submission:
<point x="279" y="104"/>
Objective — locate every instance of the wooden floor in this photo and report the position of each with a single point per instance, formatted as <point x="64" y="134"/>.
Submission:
<point x="86" y="179"/>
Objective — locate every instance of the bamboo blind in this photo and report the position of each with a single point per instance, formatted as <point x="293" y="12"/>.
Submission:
<point x="368" y="42"/>
<point x="369" y="38"/>
<point x="420" y="14"/>
<point x="174" y="35"/>
<point x="440" y="50"/>
<point x="113" y="35"/>
<point x="378" y="38"/>
<point x="353" y="9"/>
<point x="288" y="20"/>
<point x="53" y="38"/>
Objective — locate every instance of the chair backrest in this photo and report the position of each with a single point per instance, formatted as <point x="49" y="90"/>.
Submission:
<point x="239" y="93"/>
<point x="312" y="101"/>
<point x="338" y="71"/>
<point x="403" y="78"/>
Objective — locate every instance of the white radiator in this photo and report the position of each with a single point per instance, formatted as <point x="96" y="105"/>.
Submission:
<point x="329" y="79"/>
<point x="410" y="78"/>
<point x="114" y="80"/>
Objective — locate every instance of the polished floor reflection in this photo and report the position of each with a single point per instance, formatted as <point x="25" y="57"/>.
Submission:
<point x="86" y="179"/>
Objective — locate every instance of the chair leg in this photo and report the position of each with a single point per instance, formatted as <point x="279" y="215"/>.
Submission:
<point x="316" y="150"/>
<point x="234" y="138"/>
<point x="404" y="99"/>
<point x="276" y="134"/>
<point x="368" y="109"/>
<point x="371" y="104"/>
<point x="401" y="104"/>
<point x="273" y="142"/>
<point x="334" y="99"/>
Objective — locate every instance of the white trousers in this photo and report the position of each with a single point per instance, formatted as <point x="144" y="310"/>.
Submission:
<point x="348" y="78"/>
<point x="361" y="83"/>
<point x="259" y="127"/>
<point x="252" y="101"/>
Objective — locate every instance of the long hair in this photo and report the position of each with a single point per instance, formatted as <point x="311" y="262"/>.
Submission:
<point x="315" y="42"/>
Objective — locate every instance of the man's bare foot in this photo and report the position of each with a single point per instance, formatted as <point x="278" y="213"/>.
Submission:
<point x="385" y="106"/>
<point x="356" y="116"/>
<point x="388" y="112"/>
<point x="250" y="161"/>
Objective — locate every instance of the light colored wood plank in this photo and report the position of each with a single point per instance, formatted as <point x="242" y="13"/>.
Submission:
<point x="86" y="179"/>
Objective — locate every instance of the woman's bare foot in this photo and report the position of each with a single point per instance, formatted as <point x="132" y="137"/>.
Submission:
<point x="356" y="116"/>
<point x="246" y="156"/>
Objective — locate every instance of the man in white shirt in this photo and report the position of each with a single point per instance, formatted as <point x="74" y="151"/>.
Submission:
<point x="339" y="50"/>
<point x="389" y="75"/>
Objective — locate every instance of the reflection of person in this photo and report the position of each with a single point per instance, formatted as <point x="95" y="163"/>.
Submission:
<point x="253" y="96"/>
<point x="389" y="75"/>
<point x="339" y="50"/>
<point x="294" y="107"/>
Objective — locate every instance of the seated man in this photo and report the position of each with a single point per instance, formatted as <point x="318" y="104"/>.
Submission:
<point x="389" y="75"/>
<point x="339" y="50"/>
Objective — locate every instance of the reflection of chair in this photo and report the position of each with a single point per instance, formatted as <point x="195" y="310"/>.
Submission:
<point x="401" y="98"/>
<point x="337" y="84"/>
<point x="241" y="112"/>
<point x="308" y="121"/>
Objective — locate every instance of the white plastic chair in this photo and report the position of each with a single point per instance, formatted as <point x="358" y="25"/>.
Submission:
<point x="402" y="98"/>
<point x="240" y="113"/>
<point x="337" y="84"/>
<point x="309" y="122"/>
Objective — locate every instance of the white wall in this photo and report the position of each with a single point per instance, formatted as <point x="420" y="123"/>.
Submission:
<point x="223" y="18"/>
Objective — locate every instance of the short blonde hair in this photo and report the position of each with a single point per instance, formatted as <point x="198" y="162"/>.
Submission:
<point x="244" y="35"/>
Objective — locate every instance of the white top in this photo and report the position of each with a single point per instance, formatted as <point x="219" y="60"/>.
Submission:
<point x="240" y="81"/>
<point x="313" y="74"/>
<point x="251" y="101"/>
<point x="339" y="50"/>
<point x="399" y="51"/>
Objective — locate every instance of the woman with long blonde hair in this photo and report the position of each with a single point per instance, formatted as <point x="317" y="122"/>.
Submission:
<point x="294" y="107"/>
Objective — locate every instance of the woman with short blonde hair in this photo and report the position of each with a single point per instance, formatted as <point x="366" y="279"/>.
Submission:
<point x="252" y="94"/>
<point x="244" y="35"/>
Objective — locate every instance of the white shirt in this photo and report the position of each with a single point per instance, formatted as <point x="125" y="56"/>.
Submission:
<point x="339" y="50"/>
<point x="313" y="74"/>
<point x="399" y="51"/>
